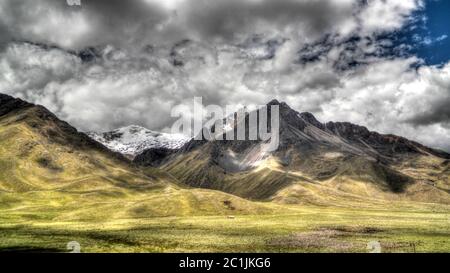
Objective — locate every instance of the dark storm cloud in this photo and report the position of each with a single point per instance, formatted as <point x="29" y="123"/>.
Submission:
<point x="439" y="113"/>
<point x="5" y="36"/>
<point x="226" y="19"/>
<point x="96" y="22"/>
<point x="139" y="22"/>
<point x="120" y="22"/>
<point x="434" y="106"/>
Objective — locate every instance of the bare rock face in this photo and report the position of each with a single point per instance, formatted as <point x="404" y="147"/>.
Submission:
<point x="9" y="104"/>
<point x="304" y="130"/>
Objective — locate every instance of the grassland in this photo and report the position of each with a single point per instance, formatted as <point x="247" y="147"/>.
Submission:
<point x="401" y="228"/>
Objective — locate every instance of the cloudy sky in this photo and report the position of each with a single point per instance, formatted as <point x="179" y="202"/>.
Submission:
<point x="105" y="64"/>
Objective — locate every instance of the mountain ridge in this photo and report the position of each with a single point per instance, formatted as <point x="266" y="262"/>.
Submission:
<point x="311" y="152"/>
<point x="297" y="122"/>
<point x="50" y="171"/>
<point x="9" y="104"/>
<point x="40" y="151"/>
<point x="354" y="132"/>
<point x="316" y="163"/>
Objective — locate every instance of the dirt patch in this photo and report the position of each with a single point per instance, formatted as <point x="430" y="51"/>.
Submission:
<point x="229" y="204"/>
<point x="324" y="239"/>
<point x="353" y="229"/>
<point x="26" y="148"/>
<point x="337" y="239"/>
<point x="48" y="163"/>
<point x="407" y="247"/>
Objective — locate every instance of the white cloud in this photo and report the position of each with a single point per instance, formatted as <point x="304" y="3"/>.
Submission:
<point x="391" y="97"/>
<point x="239" y="52"/>
<point x="387" y="15"/>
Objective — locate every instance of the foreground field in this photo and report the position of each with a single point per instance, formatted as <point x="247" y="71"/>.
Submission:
<point x="299" y="229"/>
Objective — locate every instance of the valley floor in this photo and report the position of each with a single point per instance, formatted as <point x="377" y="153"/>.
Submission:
<point x="298" y="229"/>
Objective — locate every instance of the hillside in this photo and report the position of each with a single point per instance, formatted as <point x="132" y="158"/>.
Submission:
<point x="40" y="152"/>
<point x="315" y="163"/>
<point x="48" y="169"/>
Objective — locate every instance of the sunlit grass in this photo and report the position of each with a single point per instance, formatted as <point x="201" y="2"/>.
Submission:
<point x="296" y="229"/>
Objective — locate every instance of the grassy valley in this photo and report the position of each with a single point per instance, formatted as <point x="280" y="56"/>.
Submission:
<point x="408" y="228"/>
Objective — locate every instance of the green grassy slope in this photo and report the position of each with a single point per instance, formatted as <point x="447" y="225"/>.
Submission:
<point x="320" y="177"/>
<point x="50" y="171"/>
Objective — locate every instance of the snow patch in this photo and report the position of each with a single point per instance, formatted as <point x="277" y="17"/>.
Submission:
<point x="133" y="140"/>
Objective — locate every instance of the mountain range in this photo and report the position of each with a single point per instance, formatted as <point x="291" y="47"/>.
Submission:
<point x="316" y="163"/>
<point x="51" y="170"/>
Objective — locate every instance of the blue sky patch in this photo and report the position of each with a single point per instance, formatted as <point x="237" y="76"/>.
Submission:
<point x="428" y="36"/>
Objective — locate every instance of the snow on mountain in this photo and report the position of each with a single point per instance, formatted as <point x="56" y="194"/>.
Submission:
<point x="133" y="140"/>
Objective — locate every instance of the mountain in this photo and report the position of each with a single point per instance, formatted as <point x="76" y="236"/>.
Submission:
<point x="39" y="151"/>
<point x="133" y="140"/>
<point x="50" y="171"/>
<point x="315" y="163"/>
<point x="43" y="158"/>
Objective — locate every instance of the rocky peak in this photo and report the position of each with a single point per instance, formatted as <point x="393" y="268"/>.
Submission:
<point x="311" y="119"/>
<point x="9" y="104"/>
<point x="348" y="129"/>
<point x="284" y="107"/>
